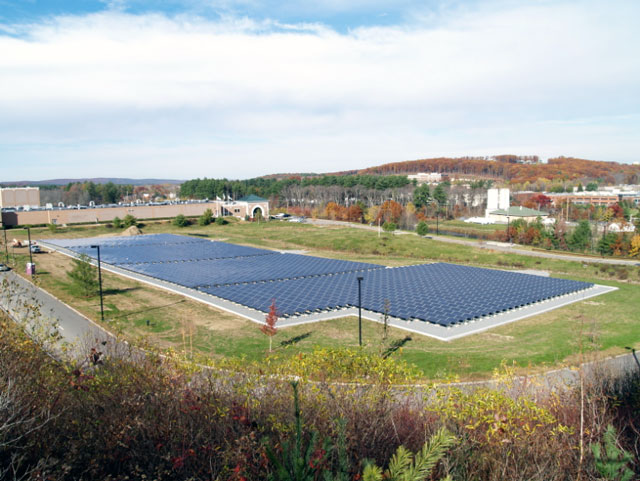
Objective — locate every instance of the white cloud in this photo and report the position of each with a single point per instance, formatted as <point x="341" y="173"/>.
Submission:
<point x="126" y="90"/>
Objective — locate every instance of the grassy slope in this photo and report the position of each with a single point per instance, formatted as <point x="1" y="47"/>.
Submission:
<point x="607" y="323"/>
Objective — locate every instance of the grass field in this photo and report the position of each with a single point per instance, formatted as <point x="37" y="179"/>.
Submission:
<point x="604" y="324"/>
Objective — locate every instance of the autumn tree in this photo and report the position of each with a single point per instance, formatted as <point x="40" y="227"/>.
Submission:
<point x="269" y="328"/>
<point x="634" y="251"/>
<point x="390" y="211"/>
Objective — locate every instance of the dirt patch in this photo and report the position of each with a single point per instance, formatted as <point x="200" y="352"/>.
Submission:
<point x="133" y="230"/>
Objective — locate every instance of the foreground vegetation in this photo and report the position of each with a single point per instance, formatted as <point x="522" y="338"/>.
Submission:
<point x="117" y="415"/>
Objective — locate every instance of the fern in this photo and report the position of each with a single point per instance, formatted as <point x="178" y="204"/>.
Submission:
<point x="405" y="466"/>
<point x="613" y="463"/>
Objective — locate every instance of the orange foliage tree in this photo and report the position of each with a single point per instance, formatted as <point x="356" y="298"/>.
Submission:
<point x="269" y="328"/>
<point x="390" y="211"/>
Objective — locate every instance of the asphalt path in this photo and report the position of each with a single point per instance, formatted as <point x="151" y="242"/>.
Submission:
<point x="73" y="326"/>
<point x="494" y="246"/>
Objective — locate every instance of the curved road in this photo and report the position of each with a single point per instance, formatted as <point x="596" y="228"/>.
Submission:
<point x="73" y="326"/>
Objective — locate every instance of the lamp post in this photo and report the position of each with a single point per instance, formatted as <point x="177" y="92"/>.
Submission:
<point x="360" y="310"/>
<point x="6" y="246"/>
<point x="508" y="233"/>
<point x="633" y="352"/>
<point x="99" y="282"/>
<point x="30" y="254"/>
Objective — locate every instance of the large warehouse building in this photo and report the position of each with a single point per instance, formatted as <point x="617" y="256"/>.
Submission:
<point x="19" y="197"/>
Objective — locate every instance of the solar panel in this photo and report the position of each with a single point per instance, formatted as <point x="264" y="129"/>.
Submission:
<point x="439" y="293"/>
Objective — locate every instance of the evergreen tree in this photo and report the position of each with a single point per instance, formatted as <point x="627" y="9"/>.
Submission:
<point x="84" y="275"/>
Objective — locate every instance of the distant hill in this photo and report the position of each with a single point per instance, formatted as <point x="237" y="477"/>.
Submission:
<point x="95" y="180"/>
<point x="511" y="168"/>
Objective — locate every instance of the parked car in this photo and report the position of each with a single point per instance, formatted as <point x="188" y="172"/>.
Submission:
<point x="35" y="249"/>
<point x="4" y="267"/>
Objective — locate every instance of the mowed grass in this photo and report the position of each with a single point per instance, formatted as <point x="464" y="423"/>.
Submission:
<point x="598" y="326"/>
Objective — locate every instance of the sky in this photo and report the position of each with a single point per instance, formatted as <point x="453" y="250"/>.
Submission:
<point x="214" y="88"/>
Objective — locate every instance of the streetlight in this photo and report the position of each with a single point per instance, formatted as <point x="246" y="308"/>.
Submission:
<point x="99" y="282"/>
<point x="30" y="254"/>
<point x="633" y="352"/>
<point x="6" y="246"/>
<point x="360" y="310"/>
<point x="508" y="234"/>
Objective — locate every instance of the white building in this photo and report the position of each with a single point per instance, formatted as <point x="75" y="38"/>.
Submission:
<point x="424" y="178"/>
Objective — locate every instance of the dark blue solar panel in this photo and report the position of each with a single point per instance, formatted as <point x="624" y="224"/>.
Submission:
<point x="156" y="248"/>
<point x="441" y="293"/>
<point x="246" y="269"/>
<point x="147" y="239"/>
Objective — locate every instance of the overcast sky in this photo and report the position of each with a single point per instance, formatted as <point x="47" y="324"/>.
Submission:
<point x="193" y="88"/>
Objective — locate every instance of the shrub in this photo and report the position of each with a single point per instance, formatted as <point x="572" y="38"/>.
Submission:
<point x="129" y="221"/>
<point x="221" y="221"/>
<point x="117" y="222"/>
<point x="206" y="218"/>
<point x="389" y="226"/>
<point x="422" y="228"/>
<point x="181" y="221"/>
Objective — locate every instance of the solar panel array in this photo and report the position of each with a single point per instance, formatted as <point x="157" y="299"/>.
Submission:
<point x="237" y="270"/>
<point x="439" y="293"/>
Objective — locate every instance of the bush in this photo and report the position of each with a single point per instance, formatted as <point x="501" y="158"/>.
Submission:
<point x="221" y="221"/>
<point x="181" y="221"/>
<point x="422" y="228"/>
<point x="389" y="226"/>
<point x="129" y="221"/>
<point x="206" y="218"/>
<point x="117" y="222"/>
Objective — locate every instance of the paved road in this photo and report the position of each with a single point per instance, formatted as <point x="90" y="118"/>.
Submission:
<point x="73" y="326"/>
<point x="495" y="246"/>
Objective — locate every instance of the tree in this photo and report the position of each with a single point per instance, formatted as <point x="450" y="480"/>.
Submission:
<point x="592" y="187"/>
<point x="84" y="275"/>
<point x="206" y="218"/>
<point x="634" y="250"/>
<point x="581" y="237"/>
<point x="605" y="246"/>
<point x="129" y="221"/>
<point x="181" y="221"/>
<point x="269" y="328"/>
<point x="440" y="195"/>
<point x="422" y="228"/>
<point x="422" y="196"/>
<point x="390" y="211"/>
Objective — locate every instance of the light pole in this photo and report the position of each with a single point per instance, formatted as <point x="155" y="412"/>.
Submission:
<point x="508" y="234"/>
<point x="99" y="282"/>
<point x="360" y="310"/>
<point x="633" y="352"/>
<point x="6" y="246"/>
<point x="30" y="254"/>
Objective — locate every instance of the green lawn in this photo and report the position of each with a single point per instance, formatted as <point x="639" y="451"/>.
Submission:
<point x="604" y="324"/>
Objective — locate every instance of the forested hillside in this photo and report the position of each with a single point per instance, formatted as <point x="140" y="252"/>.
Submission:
<point x="514" y="169"/>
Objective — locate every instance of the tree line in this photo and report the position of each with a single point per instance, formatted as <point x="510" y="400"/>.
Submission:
<point x="286" y="187"/>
